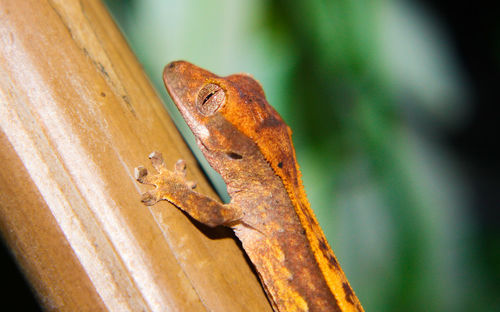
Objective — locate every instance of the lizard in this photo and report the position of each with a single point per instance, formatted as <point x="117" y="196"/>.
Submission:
<point x="247" y="142"/>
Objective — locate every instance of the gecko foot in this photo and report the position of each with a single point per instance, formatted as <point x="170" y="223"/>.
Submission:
<point x="165" y="181"/>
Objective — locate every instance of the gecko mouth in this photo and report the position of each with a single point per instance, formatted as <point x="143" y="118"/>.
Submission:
<point x="202" y="145"/>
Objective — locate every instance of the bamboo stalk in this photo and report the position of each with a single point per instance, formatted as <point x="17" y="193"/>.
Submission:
<point x="77" y="114"/>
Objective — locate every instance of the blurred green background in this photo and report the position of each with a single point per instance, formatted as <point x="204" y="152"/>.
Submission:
<point x="381" y="98"/>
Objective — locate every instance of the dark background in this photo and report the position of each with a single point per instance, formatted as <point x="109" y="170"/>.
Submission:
<point x="475" y="32"/>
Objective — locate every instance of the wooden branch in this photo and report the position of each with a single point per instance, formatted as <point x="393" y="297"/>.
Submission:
<point x="77" y="114"/>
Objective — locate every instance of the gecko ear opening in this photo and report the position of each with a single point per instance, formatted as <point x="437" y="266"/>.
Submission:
<point x="210" y="99"/>
<point x="234" y="155"/>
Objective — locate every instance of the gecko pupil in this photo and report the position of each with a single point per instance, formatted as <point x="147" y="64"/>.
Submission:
<point x="208" y="97"/>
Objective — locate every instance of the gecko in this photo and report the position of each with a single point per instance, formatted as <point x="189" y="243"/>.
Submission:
<point x="247" y="142"/>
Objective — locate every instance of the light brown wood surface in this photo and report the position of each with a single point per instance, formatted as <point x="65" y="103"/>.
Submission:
<point x="77" y="114"/>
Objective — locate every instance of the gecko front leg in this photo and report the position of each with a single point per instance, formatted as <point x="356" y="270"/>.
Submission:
<point x="173" y="187"/>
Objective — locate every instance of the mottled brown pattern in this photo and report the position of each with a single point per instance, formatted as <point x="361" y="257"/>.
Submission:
<point x="349" y="294"/>
<point x="248" y="143"/>
<point x="328" y="254"/>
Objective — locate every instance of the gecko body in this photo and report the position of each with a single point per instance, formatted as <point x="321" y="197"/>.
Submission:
<point x="246" y="141"/>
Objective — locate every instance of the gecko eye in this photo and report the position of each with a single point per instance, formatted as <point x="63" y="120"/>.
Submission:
<point x="210" y="99"/>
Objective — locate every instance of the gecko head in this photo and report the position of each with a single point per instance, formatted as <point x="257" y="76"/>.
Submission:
<point x="208" y="104"/>
<point x="231" y="119"/>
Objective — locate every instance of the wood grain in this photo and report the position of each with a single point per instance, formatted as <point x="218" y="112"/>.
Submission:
<point x="77" y="114"/>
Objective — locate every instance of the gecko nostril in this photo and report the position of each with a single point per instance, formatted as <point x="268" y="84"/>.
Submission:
<point x="234" y="155"/>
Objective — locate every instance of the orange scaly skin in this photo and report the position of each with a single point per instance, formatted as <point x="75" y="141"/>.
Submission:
<point x="247" y="142"/>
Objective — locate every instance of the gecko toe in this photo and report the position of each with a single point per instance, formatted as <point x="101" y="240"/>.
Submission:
<point x="180" y="167"/>
<point x="191" y="184"/>
<point x="140" y="173"/>
<point x="157" y="160"/>
<point x="149" y="199"/>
